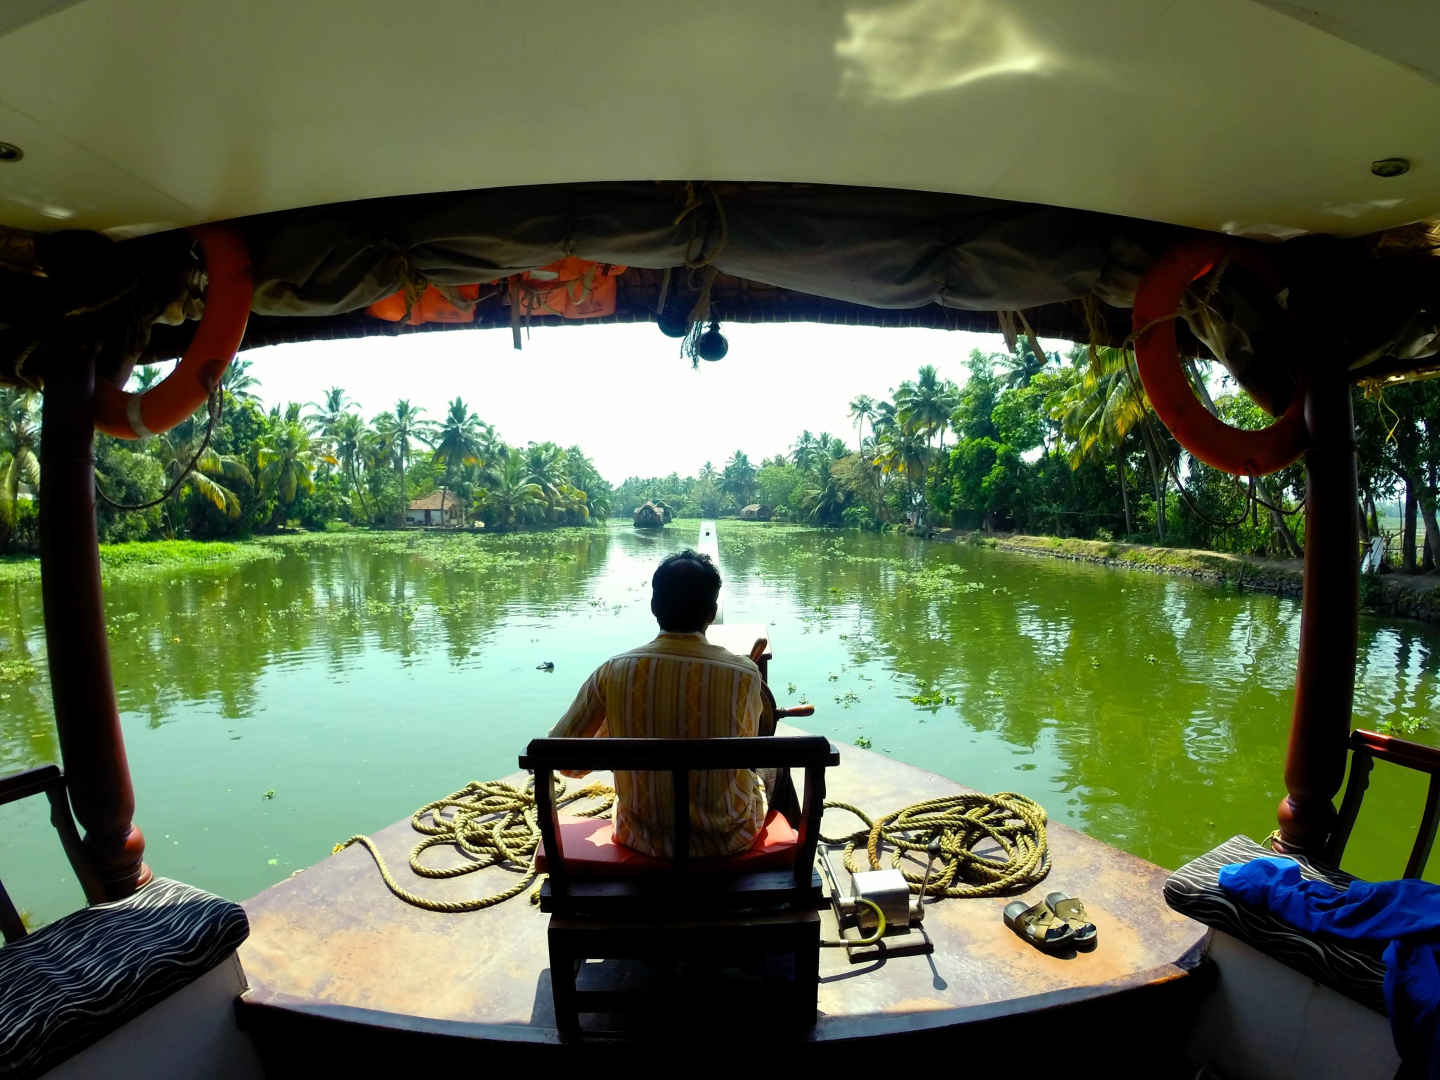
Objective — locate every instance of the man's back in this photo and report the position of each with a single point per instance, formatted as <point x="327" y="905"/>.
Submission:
<point x="677" y="686"/>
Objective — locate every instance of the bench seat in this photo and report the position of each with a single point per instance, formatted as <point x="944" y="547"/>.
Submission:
<point x="1352" y="969"/>
<point x="83" y="976"/>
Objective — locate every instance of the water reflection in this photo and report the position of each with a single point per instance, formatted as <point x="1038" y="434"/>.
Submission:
<point x="357" y="681"/>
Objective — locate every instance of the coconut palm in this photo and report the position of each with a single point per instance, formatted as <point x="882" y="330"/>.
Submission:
<point x="458" y="440"/>
<point x="926" y="404"/>
<point x="905" y="451"/>
<point x="347" y="439"/>
<point x="395" y="435"/>
<point x="512" y="493"/>
<point x="287" y="458"/>
<point x="20" y="445"/>
<point x="862" y="409"/>
<point x="143" y="378"/>
<point x="211" y="475"/>
<point x="1019" y="367"/>
<point x="738" y="479"/>
<point x="237" y="383"/>
<point x="325" y="414"/>
<point x="545" y="463"/>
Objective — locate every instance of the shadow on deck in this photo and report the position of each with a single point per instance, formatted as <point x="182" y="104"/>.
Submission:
<point x="335" y="961"/>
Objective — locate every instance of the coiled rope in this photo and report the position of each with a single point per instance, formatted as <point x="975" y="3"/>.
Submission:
<point x="492" y="822"/>
<point x="960" y="823"/>
<point x="496" y="824"/>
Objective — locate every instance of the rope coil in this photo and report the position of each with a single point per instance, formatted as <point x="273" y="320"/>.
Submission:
<point x="494" y="824"/>
<point x="959" y="822"/>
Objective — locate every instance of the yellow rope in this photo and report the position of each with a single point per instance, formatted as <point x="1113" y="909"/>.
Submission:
<point x="493" y="823"/>
<point x="959" y="822"/>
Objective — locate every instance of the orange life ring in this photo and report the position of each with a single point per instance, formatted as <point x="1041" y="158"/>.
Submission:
<point x="1157" y="355"/>
<point x="217" y="338"/>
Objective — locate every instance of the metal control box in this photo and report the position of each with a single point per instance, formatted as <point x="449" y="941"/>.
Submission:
<point x="889" y="891"/>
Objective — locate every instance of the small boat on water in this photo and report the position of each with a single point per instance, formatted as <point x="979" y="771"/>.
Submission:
<point x="1255" y="179"/>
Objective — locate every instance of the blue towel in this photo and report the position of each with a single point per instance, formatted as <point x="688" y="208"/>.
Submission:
<point x="1402" y="915"/>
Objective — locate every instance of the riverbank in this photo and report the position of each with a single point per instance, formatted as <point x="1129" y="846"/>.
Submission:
<point x="146" y="559"/>
<point x="1404" y="595"/>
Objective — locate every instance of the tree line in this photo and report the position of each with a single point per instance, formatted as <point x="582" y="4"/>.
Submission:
<point x="256" y="470"/>
<point x="1066" y="445"/>
<point x="1030" y="441"/>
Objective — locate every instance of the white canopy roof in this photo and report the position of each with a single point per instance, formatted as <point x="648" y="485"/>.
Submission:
<point x="139" y="115"/>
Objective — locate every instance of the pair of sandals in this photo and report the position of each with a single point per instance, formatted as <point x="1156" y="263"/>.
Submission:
<point x="1058" y="924"/>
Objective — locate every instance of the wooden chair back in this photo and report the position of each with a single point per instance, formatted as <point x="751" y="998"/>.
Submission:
<point x="50" y="780"/>
<point x="1365" y="748"/>
<point x="680" y="757"/>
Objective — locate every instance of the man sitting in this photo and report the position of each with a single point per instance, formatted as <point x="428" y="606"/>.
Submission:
<point x="678" y="686"/>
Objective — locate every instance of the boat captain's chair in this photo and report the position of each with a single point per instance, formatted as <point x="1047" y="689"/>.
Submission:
<point x="758" y="910"/>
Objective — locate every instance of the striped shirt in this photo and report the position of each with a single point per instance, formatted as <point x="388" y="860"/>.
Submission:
<point x="678" y="686"/>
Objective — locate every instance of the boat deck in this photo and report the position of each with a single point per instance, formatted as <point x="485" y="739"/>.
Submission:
<point x="332" y="943"/>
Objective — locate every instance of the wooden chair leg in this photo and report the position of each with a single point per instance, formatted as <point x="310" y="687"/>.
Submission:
<point x="807" y="980"/>
<point x="564" y="967"/>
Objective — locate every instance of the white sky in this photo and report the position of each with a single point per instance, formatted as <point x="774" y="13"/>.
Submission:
<point x="623" y="392"/>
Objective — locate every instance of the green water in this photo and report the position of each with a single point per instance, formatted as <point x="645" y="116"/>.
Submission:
<point x="356" y="681"/>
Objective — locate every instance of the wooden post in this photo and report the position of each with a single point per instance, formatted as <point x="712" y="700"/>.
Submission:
<point x="91" y="744"/>
<point x="1325" y="673"/>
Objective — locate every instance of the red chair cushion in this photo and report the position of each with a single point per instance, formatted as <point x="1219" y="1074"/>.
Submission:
<point x="592" y="851"/>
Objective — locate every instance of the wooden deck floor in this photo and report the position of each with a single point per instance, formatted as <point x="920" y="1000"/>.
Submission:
<point x="333" y="943"/>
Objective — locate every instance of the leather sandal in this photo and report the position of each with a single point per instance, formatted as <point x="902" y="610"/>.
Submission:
<point x="1038" y="925"/>
<point x="1071" y="911"/>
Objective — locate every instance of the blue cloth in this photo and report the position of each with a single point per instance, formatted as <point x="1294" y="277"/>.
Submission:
<point x="1402" y="915"/>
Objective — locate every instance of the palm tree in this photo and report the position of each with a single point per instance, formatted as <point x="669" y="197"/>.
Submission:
<point x="862" y="408"/>
<point x="738" y="479"/>
<point x="545" y="463"/>
<point x="926" y="404"/>
<point x="324" y="415"/>
<point x="583" y="476"/>
<point x="1018" y="368"/>
<point x="904" y="450"/>
<point x="144" y="377"/>
<point x="20" y="443"/>
<point x="395" y="432"/>
<point x="211" y="475"/>
<point x="512" y="492"/>
<point x="347" y="438"/>
<point x="237" y="384"/>
<point x="1099" y="410"/>
<point x="287" y="461"/>
<point x="708" y="474"/>
<point x="458" y="441"/>
<point x="803" y="454"/>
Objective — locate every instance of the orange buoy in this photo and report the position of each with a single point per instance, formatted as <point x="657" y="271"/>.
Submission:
<point x="1157" y="355"/>
<point x="217" y="339"/>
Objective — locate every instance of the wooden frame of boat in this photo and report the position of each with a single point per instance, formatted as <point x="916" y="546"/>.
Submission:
<point x="340" y="970"/>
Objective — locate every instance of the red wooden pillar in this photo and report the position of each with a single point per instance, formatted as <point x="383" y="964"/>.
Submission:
<point x="91" y="745"/>
<point x="1325" y="674"/>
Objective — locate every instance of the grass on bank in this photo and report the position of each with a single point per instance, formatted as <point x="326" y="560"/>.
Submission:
<point x="149" y="558"/>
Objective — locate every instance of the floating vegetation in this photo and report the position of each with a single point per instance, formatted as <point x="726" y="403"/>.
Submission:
<point x="847" y="699"/>
<point x="933" y="699"/>
<point x="863" y="742"/>
<point x="1402" y="724"/>
<point x="15" y="669"/>
<point x="937" y="582"/>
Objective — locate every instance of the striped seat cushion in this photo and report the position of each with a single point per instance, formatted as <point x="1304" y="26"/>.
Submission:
<point x="1354" y="970"/>
<point x="83" y="976"/>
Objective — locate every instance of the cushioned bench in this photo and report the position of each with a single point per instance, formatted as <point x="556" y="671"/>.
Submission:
<point x="1194" y="890"/>
<point x="74" y="981"/>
